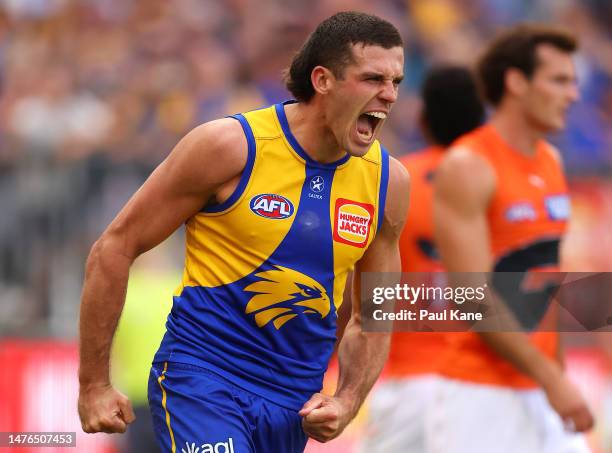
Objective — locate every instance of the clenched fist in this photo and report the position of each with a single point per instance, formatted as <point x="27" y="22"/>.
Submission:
<point x="104" y="409"/>
<point x="324" y="417"/>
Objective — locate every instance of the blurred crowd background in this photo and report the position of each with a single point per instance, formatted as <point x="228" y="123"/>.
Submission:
<point x="95" y="93"/>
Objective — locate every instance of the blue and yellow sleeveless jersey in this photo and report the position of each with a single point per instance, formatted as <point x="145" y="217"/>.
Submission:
<point x="266" y="269"/>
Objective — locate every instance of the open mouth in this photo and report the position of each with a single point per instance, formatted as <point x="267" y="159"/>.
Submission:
<point x="367" y="124"/>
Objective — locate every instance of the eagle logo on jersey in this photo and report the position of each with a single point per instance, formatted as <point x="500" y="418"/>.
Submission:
<point x="282" y="294"/>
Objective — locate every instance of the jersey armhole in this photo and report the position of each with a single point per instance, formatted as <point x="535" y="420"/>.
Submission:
<point x="246" y="173"/>
<point x="382" y="190"/>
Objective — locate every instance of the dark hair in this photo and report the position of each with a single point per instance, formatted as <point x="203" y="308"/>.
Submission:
<point x="330" y="46"/>
<point x="516" y="48"/>
<point x="451" y="105"/>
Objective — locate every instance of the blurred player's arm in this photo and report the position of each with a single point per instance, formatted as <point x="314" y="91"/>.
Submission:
<point x="208" y="159"/>
<point x="462" y="235"/>
<point x="362" y="355"/>
<point x="560" y="352"/>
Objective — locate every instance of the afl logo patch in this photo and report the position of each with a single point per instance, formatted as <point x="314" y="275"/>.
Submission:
<point x="271" y="206"/>
<point x="353" y="221"/>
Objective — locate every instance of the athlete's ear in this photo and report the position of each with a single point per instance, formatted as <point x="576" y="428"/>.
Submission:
<point x="516" y="82"/>
<point x="322" y="79"/>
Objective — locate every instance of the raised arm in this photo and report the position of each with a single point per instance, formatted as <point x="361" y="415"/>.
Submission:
<point x="463" y="187"/>
<point x="208" y="159"/>
<point x="361" y="355"/>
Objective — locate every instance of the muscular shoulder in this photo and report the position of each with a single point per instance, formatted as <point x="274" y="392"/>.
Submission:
<point x="398" y="195"/>
<point x="399" y="178"/>
<point x="465" y="177"/>
<point x="211" y="154"/>
<point x="222" y="133"/>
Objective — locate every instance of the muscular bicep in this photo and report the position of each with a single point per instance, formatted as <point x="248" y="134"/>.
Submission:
<point x="463" y="186"/>
<point x="383" y="254"/>
<point x="201" y="162"/>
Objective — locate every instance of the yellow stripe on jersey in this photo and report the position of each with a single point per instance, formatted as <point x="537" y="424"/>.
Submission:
<point x="165" y="406"/>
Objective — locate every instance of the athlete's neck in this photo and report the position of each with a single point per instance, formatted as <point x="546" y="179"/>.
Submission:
<point x="309" y="128"/>
<point x="515" y="130"/>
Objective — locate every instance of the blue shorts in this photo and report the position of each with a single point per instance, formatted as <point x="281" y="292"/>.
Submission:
<point x="195" y="410"/>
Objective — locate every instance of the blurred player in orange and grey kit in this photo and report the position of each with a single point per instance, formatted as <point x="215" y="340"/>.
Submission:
<point x="501" y="205"/>
<point x="451" y="108"/>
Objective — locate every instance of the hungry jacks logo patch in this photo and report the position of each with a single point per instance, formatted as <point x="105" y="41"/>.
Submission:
<point x="352" y="222"/>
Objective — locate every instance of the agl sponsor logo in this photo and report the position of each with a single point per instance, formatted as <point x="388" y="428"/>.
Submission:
<point x="219" y="447"/>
